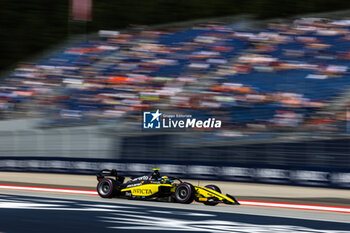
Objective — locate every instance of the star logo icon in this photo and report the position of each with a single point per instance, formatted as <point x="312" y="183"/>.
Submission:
<point x="151" y="120"/>
<point x="156" y="115"/>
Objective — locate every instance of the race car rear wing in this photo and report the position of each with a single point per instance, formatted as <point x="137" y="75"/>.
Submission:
<point x="106" y="172"/>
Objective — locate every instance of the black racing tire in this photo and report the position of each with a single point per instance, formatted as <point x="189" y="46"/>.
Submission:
<point x="184" y="193"/>
<point x="107" y="188"/>
<point x="213" y="187"/>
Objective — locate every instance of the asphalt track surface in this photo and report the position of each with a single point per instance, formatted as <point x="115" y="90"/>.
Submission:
<point x="29" y="211"/>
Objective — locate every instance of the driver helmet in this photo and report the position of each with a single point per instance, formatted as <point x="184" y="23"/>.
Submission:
<point x="164" y="180"/>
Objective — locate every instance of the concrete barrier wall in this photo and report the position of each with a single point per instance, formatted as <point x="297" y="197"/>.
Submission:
<point x="63" y="142"/>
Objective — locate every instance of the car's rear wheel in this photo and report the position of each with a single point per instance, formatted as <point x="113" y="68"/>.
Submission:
<point x="184" y="193"/>
<point x="215" y="188"/>
<point x="107" y="188"/>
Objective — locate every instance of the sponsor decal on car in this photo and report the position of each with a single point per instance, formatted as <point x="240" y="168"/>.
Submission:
<point x="141" y="191"/>
<point x="141" y="178"/>
<point x="133" y="185"/>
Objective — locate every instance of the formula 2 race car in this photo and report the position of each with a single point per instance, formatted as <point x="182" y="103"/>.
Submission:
<point x="159" y="188"/>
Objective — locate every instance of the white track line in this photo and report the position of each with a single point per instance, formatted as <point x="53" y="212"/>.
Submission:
<point x="296" y="206"/>
<point x="45" y="189"/>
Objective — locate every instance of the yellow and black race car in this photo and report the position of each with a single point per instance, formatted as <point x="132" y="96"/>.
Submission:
<point x="159" y="188"/>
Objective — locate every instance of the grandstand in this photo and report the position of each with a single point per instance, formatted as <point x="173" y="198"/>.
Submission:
<point x="278" y="77"/>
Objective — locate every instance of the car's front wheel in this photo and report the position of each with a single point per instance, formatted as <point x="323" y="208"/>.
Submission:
<point x="107" y="188"/>
<point x="215" y="188"/>
<point x="184" y="193"/>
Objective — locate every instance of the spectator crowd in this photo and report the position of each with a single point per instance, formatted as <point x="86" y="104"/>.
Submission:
<point x="258" y="80"/>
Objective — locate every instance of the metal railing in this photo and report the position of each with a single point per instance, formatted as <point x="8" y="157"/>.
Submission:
<point x="333" y="153"/>
<point x="92" y="143"/>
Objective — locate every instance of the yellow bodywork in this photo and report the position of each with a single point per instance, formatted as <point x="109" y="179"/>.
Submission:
<point x="203" y="194"/>
<point x="145" y="190"/>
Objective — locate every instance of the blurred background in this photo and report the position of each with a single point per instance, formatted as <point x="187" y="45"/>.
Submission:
<point x="76" y="76"/>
